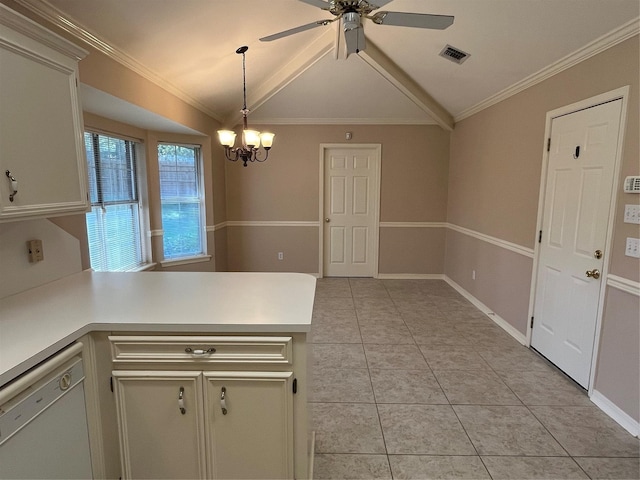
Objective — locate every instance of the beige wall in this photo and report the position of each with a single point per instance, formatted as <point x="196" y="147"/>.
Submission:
<point x="413" y="188"/>
<point x="412" y="250"/>
<point x="618" y="368"/>
<point x="494" y="182"/>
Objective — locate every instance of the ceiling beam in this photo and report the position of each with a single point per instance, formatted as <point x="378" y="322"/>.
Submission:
<point x="287" y="74"/>
<point x="382" y="64"/>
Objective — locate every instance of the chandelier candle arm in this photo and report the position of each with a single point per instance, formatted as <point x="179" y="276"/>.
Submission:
<point x="249" y="151"/>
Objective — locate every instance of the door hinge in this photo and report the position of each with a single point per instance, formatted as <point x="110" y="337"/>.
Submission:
<point x="295" y="386"/>
<point x="549" y="144"/>
<point x="111" y="383"/>
<point x="531" y="322"/>
<point x="540" y="237"/>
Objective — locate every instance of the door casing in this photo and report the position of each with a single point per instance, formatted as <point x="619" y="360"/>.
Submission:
<point x="375" y="191"/>
<point x="620" y="93"/>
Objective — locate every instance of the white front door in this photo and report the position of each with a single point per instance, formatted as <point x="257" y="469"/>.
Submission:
<point x="577" y="202"/>
<point x="350" y="211"/>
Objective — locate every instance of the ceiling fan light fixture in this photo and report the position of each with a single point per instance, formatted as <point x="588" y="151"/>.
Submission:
<point x="350" y="21"/>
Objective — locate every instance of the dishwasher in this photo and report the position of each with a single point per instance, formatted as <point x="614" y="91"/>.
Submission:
<point x="43" y="421"/>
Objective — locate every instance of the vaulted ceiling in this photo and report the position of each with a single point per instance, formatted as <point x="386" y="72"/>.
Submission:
<point x="188" y="46"/>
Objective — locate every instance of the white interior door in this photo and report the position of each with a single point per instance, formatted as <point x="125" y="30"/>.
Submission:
<point x="574" y="229"/>
<point x="350" y="234"/>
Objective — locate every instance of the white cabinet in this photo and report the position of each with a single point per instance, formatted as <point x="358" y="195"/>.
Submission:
<point x="254" y="438"/>
<point x="41" y="127"/>
<point x="217" y="407"/>
<point x="157" y="439"/>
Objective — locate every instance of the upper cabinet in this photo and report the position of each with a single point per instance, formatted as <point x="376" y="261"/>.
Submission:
<point x="42" y="156"/>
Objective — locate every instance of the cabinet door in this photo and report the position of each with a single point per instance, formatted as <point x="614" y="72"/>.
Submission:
<point x="158" y="440"/>
<point x="41" y="130"/>
<point x="254" y="439"/>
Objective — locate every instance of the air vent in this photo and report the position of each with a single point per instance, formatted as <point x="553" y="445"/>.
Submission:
<point x="454" y="54"/>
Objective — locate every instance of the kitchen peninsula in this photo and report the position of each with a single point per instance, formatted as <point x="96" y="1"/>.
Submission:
<point x="225" y="342"/>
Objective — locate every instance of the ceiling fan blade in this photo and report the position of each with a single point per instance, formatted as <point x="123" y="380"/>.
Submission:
<point x="419" y="20"/>
<point x="355" y="40"/>
<point x="299" y="29"/>
<point x="378" y="3"/>
<point x="317" y="3"/>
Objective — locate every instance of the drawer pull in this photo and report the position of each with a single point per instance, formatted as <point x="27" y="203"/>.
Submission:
<point x="181" y="401"/>
<point x="199" y="352"/>
<point x="223" y="401"/>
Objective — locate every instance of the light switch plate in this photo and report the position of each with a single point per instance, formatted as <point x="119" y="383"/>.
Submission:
<point x="633" y="248"/>
<point x="632" y="214"/>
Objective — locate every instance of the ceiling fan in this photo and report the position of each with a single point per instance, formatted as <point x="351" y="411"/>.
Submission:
<point x="352" y="12"/>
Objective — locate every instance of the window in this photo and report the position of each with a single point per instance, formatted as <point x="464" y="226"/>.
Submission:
<point x="113" y="225"/>
<point x="182" y="200"/>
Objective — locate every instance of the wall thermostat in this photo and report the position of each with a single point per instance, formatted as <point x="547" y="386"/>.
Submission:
<point x="632" y="185"/>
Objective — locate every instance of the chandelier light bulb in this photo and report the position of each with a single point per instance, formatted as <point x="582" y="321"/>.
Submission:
<point x="227" y="138"/>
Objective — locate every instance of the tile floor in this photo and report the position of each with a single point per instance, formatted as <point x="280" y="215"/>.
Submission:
<point x="410" y="380"/>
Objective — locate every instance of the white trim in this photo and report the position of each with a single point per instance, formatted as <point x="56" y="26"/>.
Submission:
<point x="60" y="20"/>
<point x="527" y="252"/>
<point x="31" y="29"/>
<point x="501" y="322"/>
<point x="621" y="93"/>
<point x="144" y="268"/>
<point x="216" y="227"/>
<point x="92" y="395"/>
<point x="185" y="261"/>
<point x="375" y="189"/>
<point x="413" y="225"/>
<point x="623" y="284"/>
<point x="269" y="223"/>
<point x="342" y="121"/>
<point x="606" y="41"/>
<point x="411" y="276"/>
<point x="616" y="413"/>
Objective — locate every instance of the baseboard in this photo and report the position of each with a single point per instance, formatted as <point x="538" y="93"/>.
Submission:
<point x="501" y="322"/>
<point x="410" y="276"/>
<point x="623" y="419"/>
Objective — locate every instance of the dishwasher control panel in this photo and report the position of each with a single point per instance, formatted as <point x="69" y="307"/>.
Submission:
<point x="19" y="411"/>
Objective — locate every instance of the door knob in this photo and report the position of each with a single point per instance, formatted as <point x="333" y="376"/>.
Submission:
<point x="595" y="273"/>
<point x="327" y="220"/>
<point x="598" y="254"/>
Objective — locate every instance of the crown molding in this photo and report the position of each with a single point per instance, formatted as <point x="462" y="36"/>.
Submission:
<point x="599" y="45"/>
<point x="51" y="14"/>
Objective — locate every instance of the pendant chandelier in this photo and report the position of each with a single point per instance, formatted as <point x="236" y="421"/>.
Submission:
<point x="249" y="151"/>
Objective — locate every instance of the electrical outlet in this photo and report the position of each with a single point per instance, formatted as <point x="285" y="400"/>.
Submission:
<point x="280" y="255"/>
<point x="36" y="254"/>
<point x="633" y="248"/>
<point x="632" y="214"/>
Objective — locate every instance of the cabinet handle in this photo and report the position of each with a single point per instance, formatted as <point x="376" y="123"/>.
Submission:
<point x="199" y="352"/>
<point x="14" y="185"/>
<point x="223" y="401"/>
<point x="181" y="401"/>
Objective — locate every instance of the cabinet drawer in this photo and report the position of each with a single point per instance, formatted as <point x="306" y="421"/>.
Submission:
<point x="201" y="349"/>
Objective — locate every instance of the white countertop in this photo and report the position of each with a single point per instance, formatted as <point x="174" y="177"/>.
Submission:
<point x="39" y="322"/>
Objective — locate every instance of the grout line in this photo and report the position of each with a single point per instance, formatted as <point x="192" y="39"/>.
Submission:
<point x="477" y="349"/>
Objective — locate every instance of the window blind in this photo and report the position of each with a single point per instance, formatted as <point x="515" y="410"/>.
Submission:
<point x="113" y="225"/>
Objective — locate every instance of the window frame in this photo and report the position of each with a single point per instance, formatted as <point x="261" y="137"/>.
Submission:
<point x="199" y="170"/>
